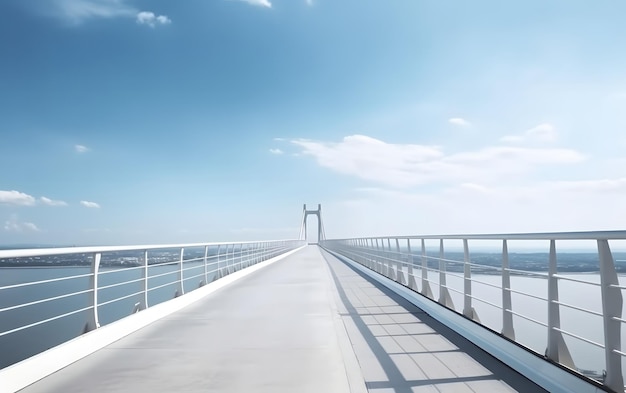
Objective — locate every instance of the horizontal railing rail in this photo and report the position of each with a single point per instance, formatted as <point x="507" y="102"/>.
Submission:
<point x="590" y="235"/>
<point x="447" y="280"/>
<point x="119" y="279"/>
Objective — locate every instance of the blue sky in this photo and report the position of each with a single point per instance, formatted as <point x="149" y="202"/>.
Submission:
<point x="128" y="121"/>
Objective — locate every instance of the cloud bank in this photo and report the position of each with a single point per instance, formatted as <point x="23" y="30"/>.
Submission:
<point x="407" y="165"/>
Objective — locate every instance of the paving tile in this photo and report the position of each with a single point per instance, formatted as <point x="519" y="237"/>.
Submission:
<point x="409" y="344"/>
<point x="454" y="387"/>
<point x="432" y="367"/>
<point x="417" y="328"/>
<point x="384" y="319"/>
<point x="403" y="317"/>
<point x="410" y="371"/>
<point x="462" y="365"/>
<point x="378" y="330"/>
<point x="435" y="342"/>
<point x="393" y="330"/>
<point x="389" y="344"/>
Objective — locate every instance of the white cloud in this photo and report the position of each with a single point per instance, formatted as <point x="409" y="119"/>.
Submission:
<point x="81" y="148"/>
<point x="276" y="151"/>
<point x="545" y="132"/>
<point x="51" y="202"/>
<point x="92" y="205"/>
<point x="279" y="139"/>
<point x="474" y="208"/>
<point x="14" y="225"/>
<point x="457" y="121"/>
<point x="406" y="165"/>
<point x="309" y="2"/>
<point x="151" y="19"/>
<point x="29" y="226"/>
<point x="598" y="185"/>
<point x="476" y="188"/>
<point x="512" y="139"/>
<point x="78" y="11"/>
<point x="16" y="198"/>
<point x="260" y="3"/>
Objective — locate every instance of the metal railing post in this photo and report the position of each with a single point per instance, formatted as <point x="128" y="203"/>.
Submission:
<point x="229" y="257"/>
<point x="412" y="283"/>
<point x="145" y="277"/>
<point x="93" y="321"/>
<point x="218" y="271"/>
<point x="181" y="290"/>
<point x="468" y="310"/>
<point x="206" y="268"/>
<point x="244" y="257"/>
<point x="363" y="250"/>
<point x="426" y="291"/>
<point x="391" y="273"/>
<point x="444" y="295"/>
<point x="370" y="250"/>
<point x="239" y="263"/>
<point x="507" y="304"/>
<point x="379" y="267"/>
<point x="400" y="270"/>
<point x="382" y="257"/>
<point x="611" y="313"/>
<point x="557" y="349"/>
<point x="232" y="260"/>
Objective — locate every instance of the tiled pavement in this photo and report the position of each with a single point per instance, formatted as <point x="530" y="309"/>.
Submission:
<point x="402" y="349"/>
<point x="308" y="323"/>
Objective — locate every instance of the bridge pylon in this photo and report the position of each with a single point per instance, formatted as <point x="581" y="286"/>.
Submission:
<point x="320" y="225"/>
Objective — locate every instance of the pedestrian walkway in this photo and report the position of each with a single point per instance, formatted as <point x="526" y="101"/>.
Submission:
<point x="402" y="349"/>
<point x="307" y="323"/>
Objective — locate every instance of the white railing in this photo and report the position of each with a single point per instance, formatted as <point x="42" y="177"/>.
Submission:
<point x="420" y="263"/>
<point x="126" y="277"/>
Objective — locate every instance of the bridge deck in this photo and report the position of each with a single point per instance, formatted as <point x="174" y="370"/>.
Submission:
<point x="308" y="323"/>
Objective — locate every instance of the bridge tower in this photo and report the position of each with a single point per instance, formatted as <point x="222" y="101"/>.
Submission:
<point x="320" y="226"/>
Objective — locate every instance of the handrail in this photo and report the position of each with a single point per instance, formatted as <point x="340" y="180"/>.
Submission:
<point x="206" y="262"/>
<point x="393" y="257"/>
<point x="38" y="252"/>
<point x="583" y="235"/>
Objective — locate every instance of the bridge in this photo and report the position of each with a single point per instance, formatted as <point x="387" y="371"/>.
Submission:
<point x="381" y="314"/>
